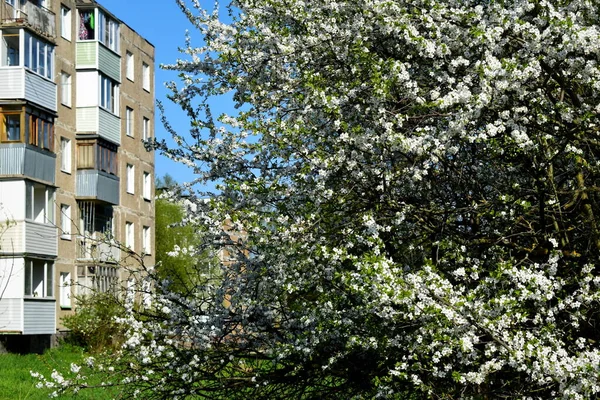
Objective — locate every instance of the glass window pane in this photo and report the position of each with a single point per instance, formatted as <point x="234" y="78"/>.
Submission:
<point x="49" y="280"/>
<point x="12" y="127"/>
<point x="28" y="278"/>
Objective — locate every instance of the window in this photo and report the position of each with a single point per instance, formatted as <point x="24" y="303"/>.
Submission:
<point x="100" y="155"/>
<point x="108" y="31"/>
<point x="86" y="25"/>
<point x="129" y="121"/>
<point x="129" y="235"/>
<point x="65" y="153"/>
<point x="65" y="221"/>
<point x="11" y="127"/>
<point x="11" y="2"/>
<point x="97" y="279"/>
<point x="65" y="290"/>
<point x="109" y="94"/>
<point x="65" y="89"/>
<point x="130" y="66"/>
<point x="146" y="129"/>
<point x="39" y="203"/>
<point x="146" y="240"/>
<point x="41" y="131"/>
<point x="38" y="278"/>
<point x="146" y="76"/>
<point x="26" y="125"/>
<point x="10" y="48"/>
<point x="130" y="179"/>
<point x="147" y="183"/>
<point x="65" y="22"/>
<point x="95" y="218"/>
<point x="39" y="56"/>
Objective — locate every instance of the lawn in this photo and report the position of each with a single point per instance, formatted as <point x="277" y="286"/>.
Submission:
<point x="16" y="382"/>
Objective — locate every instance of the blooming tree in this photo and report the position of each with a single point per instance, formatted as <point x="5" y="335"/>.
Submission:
<point x="407" y="204"/>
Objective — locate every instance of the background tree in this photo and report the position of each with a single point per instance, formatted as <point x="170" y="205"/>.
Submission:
<point x="179" y="253"/>
<point x="416" y="184"/>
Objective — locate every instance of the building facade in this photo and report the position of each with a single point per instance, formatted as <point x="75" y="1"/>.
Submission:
<point x="76" y="181"/>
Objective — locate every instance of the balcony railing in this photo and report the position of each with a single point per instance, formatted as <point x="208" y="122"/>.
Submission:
<point x="93" y="249"/>
<point x="29" y="237"/>
<point x="21" y="83"/>
<point x="97" y="120"/>
<point x="97" y="185"/>
<point x="94" y="55"/>
<point x="38" y="18"/>
<point x="20" y="159"/>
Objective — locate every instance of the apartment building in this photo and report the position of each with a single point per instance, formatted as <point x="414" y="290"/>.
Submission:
<point x="76" y="181"/>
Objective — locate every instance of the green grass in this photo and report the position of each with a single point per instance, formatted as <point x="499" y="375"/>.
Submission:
<point x="16" y="382"/>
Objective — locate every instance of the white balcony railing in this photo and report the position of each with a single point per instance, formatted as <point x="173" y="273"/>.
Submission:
<point x="97" y="250"/>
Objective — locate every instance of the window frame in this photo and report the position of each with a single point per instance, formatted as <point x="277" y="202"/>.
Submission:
<point x="129" y="235"/>
<point x="146" y="128"/>
<point x="45" y="284"/>
<point x="130" y="66"/>
<point x="130" y="177"/>
<point x="65" y="89"/>
<point x="146" y="240"/>
<point x="109" y="94"/>
<point x="34" y="212"/>
<point x="66" y="220"/>
<point x="38" y="55"/>
<point x="98" y="155"/>
<point x="108" y="30"/>
<point x="146" y="77"/>
<point x="5" y="131"/>
<point x="66" y="164"/>
<point x="65" y="22"/>
<point x="65" y="294"/>
<point x="129" y="122"/>
<point x="147" y="185"/>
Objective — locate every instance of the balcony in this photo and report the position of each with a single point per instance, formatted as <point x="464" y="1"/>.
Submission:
<point x="21" y="83"/>
<point x="22" y="160"/>
<point x="97" y="250"/>
<point x="29" y="237"/>
<point x="97" y="120"/>
<point x="38" y="18"/>
<point x="97" y="185"/>
<point x="94" y="55"/>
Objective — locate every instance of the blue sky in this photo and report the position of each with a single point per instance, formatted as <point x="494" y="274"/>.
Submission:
<point x="163" y="24"/>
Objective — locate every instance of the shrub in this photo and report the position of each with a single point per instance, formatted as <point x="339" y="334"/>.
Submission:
<point x="93" y="326"/>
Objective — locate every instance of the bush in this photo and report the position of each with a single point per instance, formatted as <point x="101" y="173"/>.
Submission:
<point x="93" y="326"/>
